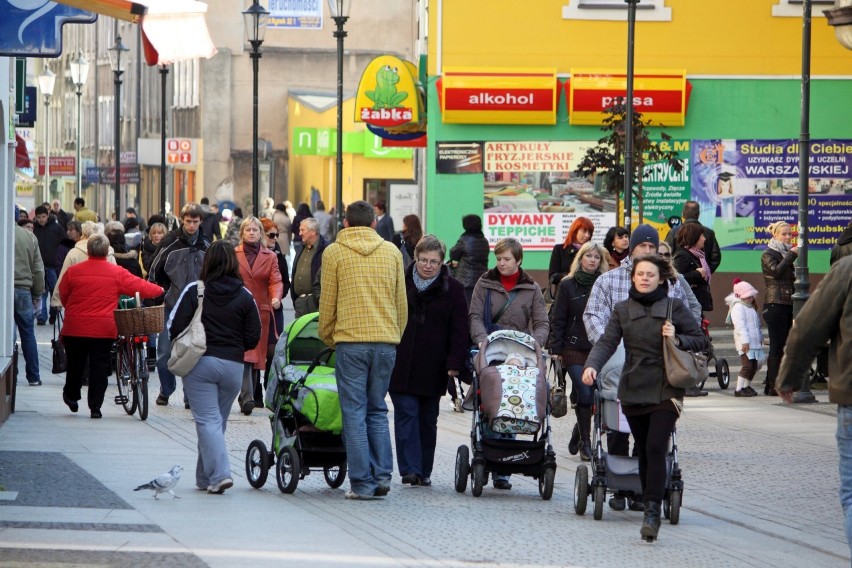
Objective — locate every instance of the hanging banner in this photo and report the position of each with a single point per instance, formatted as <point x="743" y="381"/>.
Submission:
<point x="532" y="194"/>
<point x="295" y="14"/>
<point x="744" y="185"/>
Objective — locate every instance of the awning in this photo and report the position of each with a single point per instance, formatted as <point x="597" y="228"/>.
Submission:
<point x="172" y="30"/>
<point x="22" y="157"/>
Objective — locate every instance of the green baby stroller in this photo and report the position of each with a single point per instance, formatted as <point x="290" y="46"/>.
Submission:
<point x="306" y="421"/>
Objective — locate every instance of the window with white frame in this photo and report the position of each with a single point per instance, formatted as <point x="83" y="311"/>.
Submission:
<point x="646" y="10"/>
<point x="793" y="8"/>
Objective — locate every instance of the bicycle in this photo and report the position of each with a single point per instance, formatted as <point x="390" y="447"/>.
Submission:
<point x="131" y="348"/>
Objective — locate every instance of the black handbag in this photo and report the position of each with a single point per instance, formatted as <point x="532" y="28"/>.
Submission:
<point x="558" y="398"/>
<point x="60" y="358"/>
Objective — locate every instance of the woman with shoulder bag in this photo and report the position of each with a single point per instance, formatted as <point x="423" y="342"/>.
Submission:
<point x="777" y="264"/>
<point x="650" y="404"/>
<point x="568" y="340"/>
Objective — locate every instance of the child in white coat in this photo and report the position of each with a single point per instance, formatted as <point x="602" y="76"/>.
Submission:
<point x="748" y="335"/>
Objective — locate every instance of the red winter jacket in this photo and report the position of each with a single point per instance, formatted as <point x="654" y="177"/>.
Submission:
<point x="90" y="291"/>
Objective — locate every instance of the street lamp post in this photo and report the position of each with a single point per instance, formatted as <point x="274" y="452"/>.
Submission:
<point x="79" y="73"/>
<point x="117" y="62"/>
<point x="255" y="18"/>
<point x="164" y="73"/>
<point x="339" y="13"/>
<point x="628" y="144"/>
<point x="46" y="81"/>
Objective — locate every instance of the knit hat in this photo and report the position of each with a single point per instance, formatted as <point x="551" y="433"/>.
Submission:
<point x="644" y="234"/>
<point x="743" y="289"/>
<point x="227" y="214"/>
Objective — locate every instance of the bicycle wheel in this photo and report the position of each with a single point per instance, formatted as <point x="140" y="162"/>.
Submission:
<point x="123" y="369"/>
<point x="140" y="380"/>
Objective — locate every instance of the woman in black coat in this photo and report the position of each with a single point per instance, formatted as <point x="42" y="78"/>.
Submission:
<point x="650" y="404"/>
<point x="562" y="256"/>
<point x="469" y="256"/>
<point x="434" y="346"/>
<point x="690" y="262"/>
<point x="777" y="264"/>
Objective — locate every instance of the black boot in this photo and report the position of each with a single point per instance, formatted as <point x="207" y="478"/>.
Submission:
<point x="651" y="523"/>
<point x="773" y="364"/>
<point x="584" y="421"/>
<point x="574" y="442"/>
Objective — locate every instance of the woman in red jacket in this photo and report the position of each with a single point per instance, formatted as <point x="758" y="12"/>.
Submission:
<point x="90" y="291"/>
<point x="260" y="274"/>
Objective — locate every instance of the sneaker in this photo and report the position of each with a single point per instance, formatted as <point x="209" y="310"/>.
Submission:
<point x="35" y="383"/>
<point x="381" y="491"/>
<point x="617" y="503"/>
<point x="751" y="391"/>
<point x="72" y="404"/>
<point x="354" y="496"/>
<point x="741" y="392"/>
<point x="411" y="479"/>
<point x="162" y="400"/>
<point x="96" y="413"/>
<point x="220" y="487"/>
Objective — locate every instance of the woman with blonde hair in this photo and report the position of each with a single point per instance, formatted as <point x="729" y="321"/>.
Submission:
<point x="778" y="276"/>
<point x="568" y="340"/>
<point x="261" y="275"/>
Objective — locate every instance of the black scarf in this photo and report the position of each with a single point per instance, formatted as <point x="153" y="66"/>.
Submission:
<point x="649" y="298"/>
<point x="585" y="279"/>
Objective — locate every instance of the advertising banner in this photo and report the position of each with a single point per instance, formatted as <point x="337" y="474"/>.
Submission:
<point x="532" y="194"/>
<point x="295" y="14"/>
<point x="458" y="157"/>
<point x="744" y="185"/>
<point x="59" y="166"/>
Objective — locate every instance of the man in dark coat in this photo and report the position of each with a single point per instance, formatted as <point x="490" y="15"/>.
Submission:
<point x="384" y="223"/>
<point x="712" y="252"/>
<point x="433" y="347"/>
<point x="306" y="266"/>
<point x="49" y="235"/>
<point x="843" y="246"/>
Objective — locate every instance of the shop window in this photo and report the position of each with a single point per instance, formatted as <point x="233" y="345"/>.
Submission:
<point x="793" y="8"/>
<point x="646" y="10"/>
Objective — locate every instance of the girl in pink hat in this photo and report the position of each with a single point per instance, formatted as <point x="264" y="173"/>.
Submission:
<point x="748" y="335"/>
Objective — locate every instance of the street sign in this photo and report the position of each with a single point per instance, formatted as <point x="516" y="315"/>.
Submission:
<point x="181" y="151"/>
<point x="34" y="27"/>
<point x="129" y="174"/>
<point x="59" y="166"/>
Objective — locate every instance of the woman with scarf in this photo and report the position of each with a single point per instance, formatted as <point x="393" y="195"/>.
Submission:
<point x="563" y="254"/>
<point x="690" y="262"/>
<point x="262" y="277"/>
<point x="650" y="404"/>
<point x="617" y="244"/>
<point x="778" y="276"/>
<point x="568" y="340"/>
<point x="433" y="348"/>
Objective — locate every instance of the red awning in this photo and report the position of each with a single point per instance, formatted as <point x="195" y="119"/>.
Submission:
<point x="22" y="157"/>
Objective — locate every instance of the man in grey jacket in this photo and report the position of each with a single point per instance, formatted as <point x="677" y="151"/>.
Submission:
<point x="29" y="286"/>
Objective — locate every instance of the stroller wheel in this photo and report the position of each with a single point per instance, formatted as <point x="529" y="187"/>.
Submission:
<point x="335" y="475"/>
<point x="288" y="469"/>
<point x="257" y="464"/>
<point x="600" y="495"/>
<point x="723" y="373"/>
<point x="478" y="479"/>
<point x="581" y="489"/>
<point x="673" y="506"/>
<point x="545" y="483"/>
<point x="462" y="468"/>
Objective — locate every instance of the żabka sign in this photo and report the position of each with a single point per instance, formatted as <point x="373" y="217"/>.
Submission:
<point x="388" y="95"/>
<point x="498" y="96"/>
<point x="660" y="95"/>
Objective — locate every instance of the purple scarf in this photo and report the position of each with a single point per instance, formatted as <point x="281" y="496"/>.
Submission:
<point x="251" y="250"/>
<point x="699" y="254"/>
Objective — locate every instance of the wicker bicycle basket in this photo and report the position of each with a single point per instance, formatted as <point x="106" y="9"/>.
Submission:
<point x="139" y="321"/>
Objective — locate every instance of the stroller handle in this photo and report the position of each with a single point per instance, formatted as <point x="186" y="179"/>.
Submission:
<point x="327" y="353"/>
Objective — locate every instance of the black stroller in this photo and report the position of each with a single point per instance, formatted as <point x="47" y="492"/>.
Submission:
<point x="620" y="474"/>
<point x="718" y="366"/>
<point x="514" y="400"/>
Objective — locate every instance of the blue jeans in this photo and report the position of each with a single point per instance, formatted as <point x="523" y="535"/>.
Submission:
<point x="211" y="388"/>
<point x="582" y="392"/>
<point x="24" y="320"/>
<point x="168" y="383"/>
<point x="363" y="373"/>
<point x="49" y="285"/>
<point x="415" y="428"/>
<point x="844" y="450"/>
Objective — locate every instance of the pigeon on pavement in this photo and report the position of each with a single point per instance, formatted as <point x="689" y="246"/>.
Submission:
<point x="164" y="483"/>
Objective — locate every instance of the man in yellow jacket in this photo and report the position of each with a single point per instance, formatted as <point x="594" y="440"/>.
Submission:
<point x="362" y="313"/>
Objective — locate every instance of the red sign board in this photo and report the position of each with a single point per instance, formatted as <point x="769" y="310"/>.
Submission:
<point x="59" y="166"/>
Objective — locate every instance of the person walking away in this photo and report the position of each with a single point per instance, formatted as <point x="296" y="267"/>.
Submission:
<point x="284" y="224"/>
<point x="748" y="336"/>
<point x="712" y="252"/>
<point x="307" y="264"/>
<point x="362" y="314"/>
<point x="568" y="341"/>
<point x="325" y="221"/>
<point x="517" y="298"/>
<point x="49" y="234"/>
<point x="29" y="286"/>
<point x="261" y="276"/>
<point x="411" y="234"/>
<point x="268" y="208"/>
<point x="777" y="265"/>
<point x="433" y="347"/>
<point x="210" y="226"/>
<point x="650" y="404"/>
<point x="231" y="326"/>
<point x="178" y="262"/>
<point x="73" y="233"/>
<point x="827" y="316"/>
<point x="469" y="256"/>
<point x="384" y="223"/>
<point x="90" y="291"/>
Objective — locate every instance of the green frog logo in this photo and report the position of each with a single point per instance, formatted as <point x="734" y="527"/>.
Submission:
<point x="386" y="94"/>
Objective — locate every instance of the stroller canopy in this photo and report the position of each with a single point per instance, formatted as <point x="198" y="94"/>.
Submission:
<point x="502" y="343"/>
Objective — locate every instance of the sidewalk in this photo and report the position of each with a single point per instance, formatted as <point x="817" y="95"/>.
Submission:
<point x="761" y="486"/>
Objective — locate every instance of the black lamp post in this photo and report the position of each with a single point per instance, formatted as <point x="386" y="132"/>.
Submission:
<point x="255" y="18"/>
<point x="339" y="13"/>
<point x="164" y="74"/>
<point x="628" y="143"/>
<point x="79" y="73"/>
<point x="117" y="56"/>
<point x="46" y="81"/>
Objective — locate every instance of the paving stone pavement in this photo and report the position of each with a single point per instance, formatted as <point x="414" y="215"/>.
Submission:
<point x="760" y="478"/>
